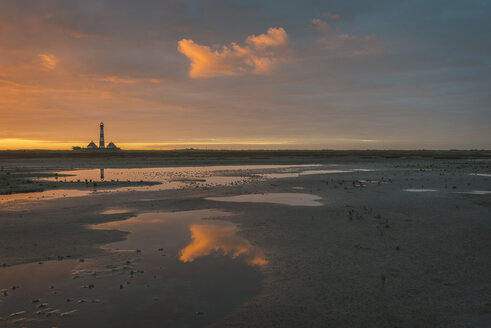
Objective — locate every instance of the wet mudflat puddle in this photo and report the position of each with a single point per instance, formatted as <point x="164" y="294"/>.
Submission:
<point x="472" y="192"/>
<point x="48" y="194"/>
<point x="174" y="269"/>
<point x="481" y="174"/>
<point x="292" y="199"/>
<point x="477" y="192"/>
<point x="283" y="175"/>
<point x="163" y="178"/>
<point x="167" y="178"/>
<point x="210" y="175"/>
<point x="116" y="211"/>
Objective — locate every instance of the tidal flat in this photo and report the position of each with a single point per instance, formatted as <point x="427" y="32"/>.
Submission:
<point x="246" y="239"/>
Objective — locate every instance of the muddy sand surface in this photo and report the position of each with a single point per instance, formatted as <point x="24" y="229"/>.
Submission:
<point x="366" y="246"/>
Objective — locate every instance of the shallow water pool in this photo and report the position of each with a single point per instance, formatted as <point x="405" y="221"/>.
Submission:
<point x="291" y="199"/>
<point x="173" y="269"/>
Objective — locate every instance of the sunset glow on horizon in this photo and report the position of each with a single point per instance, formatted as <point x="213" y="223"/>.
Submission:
<point x="23" y="144"/>
<point x="245" y="75"/>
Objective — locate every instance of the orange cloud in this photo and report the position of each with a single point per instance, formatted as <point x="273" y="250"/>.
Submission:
<point x="117" y="79"/>
<point x="259" y="55"/>
<point x="274" y="38"/>
<point x="48" y="61"/>
<point x="208" y="238"/>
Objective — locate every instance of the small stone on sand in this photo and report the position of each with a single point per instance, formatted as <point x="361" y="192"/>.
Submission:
<point x="68" y="313"/>
<point x="15" y="314"/>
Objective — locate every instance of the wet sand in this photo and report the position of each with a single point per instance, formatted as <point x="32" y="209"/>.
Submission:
<point x="371" y="255"/>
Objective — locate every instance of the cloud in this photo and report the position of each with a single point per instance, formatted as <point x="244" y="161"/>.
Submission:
<point x="353" y="46"/>
<point x="345" y="44"/>
<point x="48" y="61"/>
<point x="275" y="37"/>
<point x="336" y="86"/>
<point x="331" y="16"/>
<point x="260" y="54"/>
<point x="125" y="80"/>
<point x="321" y="26"/>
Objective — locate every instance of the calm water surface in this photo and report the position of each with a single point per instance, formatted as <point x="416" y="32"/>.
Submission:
<point x="174" y="269"/>
<point x="166" y="178"/>
<point x="286" y="198"/>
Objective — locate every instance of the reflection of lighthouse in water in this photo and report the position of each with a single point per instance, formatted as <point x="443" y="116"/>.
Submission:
<point x="102" y="174"/>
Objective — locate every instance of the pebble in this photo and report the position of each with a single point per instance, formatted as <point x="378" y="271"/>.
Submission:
<point x="68" y="313"/>
<point x="15" y="314"/>
<point x="52" y="312"/>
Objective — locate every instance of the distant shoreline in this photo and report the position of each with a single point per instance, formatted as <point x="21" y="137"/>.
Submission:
<point x="261" y="154"/>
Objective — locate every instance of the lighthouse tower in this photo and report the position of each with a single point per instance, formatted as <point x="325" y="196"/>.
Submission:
<point x="101" y="140"/>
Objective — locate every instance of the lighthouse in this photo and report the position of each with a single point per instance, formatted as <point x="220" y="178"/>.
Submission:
<point x="101" y="140"/>
<point x="102" y="144"/>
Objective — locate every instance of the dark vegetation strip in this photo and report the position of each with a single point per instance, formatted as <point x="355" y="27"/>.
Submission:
<point x="259" y="154"/>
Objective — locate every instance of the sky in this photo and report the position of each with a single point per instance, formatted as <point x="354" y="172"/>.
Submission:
<point x="229" y="74"/>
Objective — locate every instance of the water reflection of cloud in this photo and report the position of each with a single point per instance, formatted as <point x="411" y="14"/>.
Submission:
<point x="209" y="238"/>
